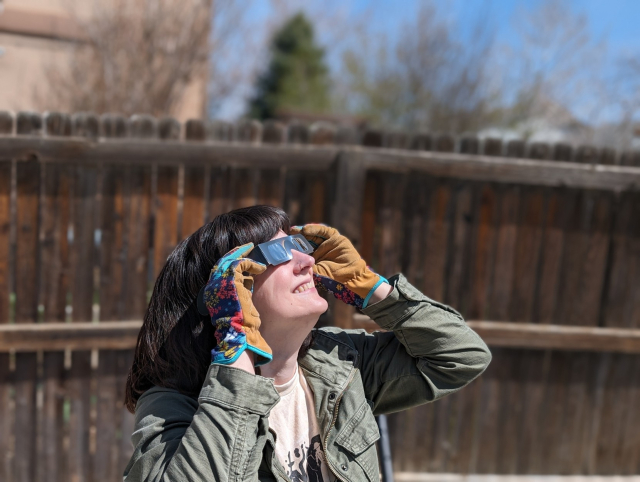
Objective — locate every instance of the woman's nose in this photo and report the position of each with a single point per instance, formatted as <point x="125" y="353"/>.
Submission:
<point x="303" y="260"/>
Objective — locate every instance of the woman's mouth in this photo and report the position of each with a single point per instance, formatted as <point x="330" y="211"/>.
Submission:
<point x="304" y="287"/>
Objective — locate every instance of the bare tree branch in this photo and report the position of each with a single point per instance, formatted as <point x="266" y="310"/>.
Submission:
<point x="137" y="57"/>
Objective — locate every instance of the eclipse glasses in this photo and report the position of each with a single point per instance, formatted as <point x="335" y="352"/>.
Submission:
<point x="278" y="251"/>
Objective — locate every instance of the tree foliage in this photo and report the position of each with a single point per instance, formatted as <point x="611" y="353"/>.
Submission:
<point x="296" y="77"/>
<point x="556" y="65"/>
<point x="426" y="79"/>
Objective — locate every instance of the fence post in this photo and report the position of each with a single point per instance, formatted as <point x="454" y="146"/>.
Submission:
<point x="83" y="260"/>
<point x="26" y="288"/>
<point x="346" y="214"/>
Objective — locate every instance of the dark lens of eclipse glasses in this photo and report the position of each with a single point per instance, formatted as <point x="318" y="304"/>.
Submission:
<point x="278" y="251"/>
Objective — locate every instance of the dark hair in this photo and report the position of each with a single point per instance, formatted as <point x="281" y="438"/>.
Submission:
<point x="175" y="341"/>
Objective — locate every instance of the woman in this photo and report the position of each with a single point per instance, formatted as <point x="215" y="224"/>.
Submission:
<point x="230" y="382"/>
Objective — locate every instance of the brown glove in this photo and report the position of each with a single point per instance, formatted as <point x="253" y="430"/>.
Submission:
<point x="339" y="268"/>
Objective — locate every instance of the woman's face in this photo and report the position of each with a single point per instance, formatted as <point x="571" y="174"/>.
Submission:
<point x="286" y="292"/>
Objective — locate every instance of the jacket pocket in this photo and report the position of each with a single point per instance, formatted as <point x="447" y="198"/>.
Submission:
<point x="360" y="432"/>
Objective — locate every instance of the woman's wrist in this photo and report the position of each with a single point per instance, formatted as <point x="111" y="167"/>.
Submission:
<point x="245" y="362"/>
<point x="380" y="293"/>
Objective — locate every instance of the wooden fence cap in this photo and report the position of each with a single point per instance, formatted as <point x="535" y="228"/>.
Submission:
<point x="144" y="126"/>
<point x="7" y="122"/>
<point x="57" y="124"/>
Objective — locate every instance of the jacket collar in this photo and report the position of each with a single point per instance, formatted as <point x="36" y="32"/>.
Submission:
<point x="327" y="367"/>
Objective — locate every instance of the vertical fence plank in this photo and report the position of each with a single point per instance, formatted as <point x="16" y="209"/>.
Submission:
<point x="194" y="209"/>
<point x="318" y="185"/>
<point x="473" y="299"/>
<point x="502" y="282"/>
<point x="526" y="363"/>
<point x="415" y="210"/>
<point x="6" y="418"/>
<point x="53" y="297"/>
<point x="83" y="262"/>
<point x="561" y="399"/>
<point x="27" y="199"/>
<point x="164" y="209"/>
<point x="245" y="181"/>
<point x="113" y="284"/>
<point x="7" y="122"/>
<point x="480" y="266"/>
<point x="461" y="240"/>
<point x="483" y="253"/>
<point x="553" y="371"/>
<point x="437" y="234"/>
<point x="621" y="308"/>
<point x="293" y="180"/>
<point x="138" y="227"/>
<point x="547" y="376"/>
<point x="271" y="181"/>
<point x="520" y="425"/>
<point x="494" y="387"/>
<point x="593" y="273"/>
<point x="458" y="289"/>
<point x="346" y="216"/>
<point x="369" y="210"/>
<point x="138" y="224"/>
<point x="615" y="422"/>
<point x="217" y="186"/>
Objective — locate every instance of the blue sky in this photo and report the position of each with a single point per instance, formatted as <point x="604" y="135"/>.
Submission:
<point x="617" y="21"/>
<point x="614" y="22"/>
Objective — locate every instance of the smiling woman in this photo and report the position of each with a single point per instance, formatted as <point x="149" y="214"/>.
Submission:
<point x="230" y="381"/>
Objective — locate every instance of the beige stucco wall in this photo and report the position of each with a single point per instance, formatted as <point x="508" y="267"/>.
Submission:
<point x="24" y="60"/>
<point x="22" y="72"/>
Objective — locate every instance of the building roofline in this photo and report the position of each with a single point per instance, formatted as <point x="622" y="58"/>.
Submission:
<point x="37" y="24"/>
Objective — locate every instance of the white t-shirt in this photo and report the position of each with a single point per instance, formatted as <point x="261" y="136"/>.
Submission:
<point x="298" y="445"/>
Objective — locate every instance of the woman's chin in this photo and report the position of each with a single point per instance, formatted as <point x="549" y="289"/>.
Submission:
<point x="319" y="304"/>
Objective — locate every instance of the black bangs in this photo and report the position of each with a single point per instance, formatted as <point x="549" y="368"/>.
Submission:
<point x="254" y="224"/>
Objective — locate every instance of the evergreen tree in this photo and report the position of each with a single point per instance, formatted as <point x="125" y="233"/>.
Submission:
<point x="296" y="77"/>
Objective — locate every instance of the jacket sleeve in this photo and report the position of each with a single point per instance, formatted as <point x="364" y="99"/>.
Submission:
<point x="427" y="352"/>
<point x="219" y="437"/>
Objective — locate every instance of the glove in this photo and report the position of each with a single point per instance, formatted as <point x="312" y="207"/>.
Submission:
<point x="339" y="268"/>
<point x="227" y="297"/>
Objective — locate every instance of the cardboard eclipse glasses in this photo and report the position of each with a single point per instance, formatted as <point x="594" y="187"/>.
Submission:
<point x="278" y="251"/>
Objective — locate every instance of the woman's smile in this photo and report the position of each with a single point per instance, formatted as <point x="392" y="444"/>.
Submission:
<point x="304" y="287"/>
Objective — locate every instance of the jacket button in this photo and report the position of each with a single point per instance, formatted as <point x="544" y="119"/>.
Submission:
<point x="343" y="467"/>
<point x="349" y="357"/>
<point x="332" y="396"/>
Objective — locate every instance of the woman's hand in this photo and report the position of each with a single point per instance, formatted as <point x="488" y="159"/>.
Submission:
<point x="339" y="268"/>
<point x="227" y="297"/>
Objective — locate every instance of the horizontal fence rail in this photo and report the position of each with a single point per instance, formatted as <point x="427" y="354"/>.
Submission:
<point x="320" y="158"/>
<point x="118" y="335"/>
<point x="537" y="245"/>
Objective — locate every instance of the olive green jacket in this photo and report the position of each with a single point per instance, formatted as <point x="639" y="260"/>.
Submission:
<point x="427" y="353"/>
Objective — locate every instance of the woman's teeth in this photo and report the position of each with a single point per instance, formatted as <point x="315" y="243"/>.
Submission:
<point x="304" y="287"/>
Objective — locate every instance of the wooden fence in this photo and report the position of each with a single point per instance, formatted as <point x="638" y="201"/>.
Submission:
<point x="537" y="245"/>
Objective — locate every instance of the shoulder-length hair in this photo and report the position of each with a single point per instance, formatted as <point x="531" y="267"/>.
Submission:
<point x="175" y="341"/>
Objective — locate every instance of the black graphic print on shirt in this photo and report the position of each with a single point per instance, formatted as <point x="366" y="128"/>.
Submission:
<point x="306" y="463"/>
